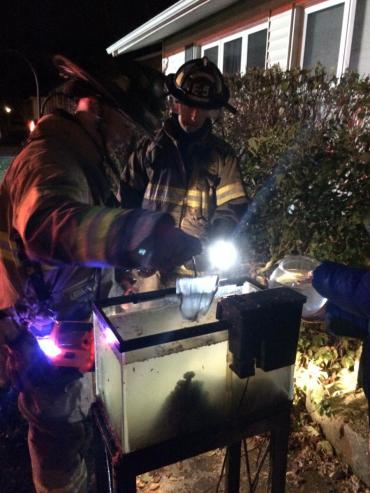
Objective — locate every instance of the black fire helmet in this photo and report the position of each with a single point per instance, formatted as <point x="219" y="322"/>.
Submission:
<point x="200" y="84"/>
<point x="134" y="90"/>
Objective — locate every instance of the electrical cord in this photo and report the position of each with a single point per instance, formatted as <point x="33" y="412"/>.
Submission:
<point x="260" y="460"/>
<point x="244" y="393"/>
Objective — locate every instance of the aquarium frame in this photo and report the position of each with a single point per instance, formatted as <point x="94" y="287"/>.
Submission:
<point x="173" y="335"/>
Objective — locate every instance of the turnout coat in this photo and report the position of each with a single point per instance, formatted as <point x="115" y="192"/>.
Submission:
<point x="195" y="177"/>
<point x="57" y="221"/>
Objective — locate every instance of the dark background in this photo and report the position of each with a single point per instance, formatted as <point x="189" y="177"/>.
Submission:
<point x="79" y="29"/>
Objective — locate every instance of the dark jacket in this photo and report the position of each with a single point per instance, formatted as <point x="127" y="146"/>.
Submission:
<point x="348" y="310"/>
<point x="348" y="289"/>
<point x="195" y="177"/>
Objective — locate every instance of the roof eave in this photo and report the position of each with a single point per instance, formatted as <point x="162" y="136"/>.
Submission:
<point x="150" y="27"/>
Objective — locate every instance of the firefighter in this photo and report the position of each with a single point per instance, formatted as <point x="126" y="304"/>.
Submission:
<point x="187" y="170"/>
<point x="60" y="225"/>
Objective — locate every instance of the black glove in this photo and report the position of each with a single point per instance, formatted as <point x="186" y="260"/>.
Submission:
<point x="149" y="241"/>
<point x="167" y="248"/>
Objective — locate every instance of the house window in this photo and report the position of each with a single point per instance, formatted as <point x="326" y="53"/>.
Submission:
<point x="323" y="35"/>
<point x="232" y="56"/>
<point x="256" y="54"/>
<point x="192" y="51"/>
<point x="236" y="53"/>
<point x="360" y="51"/>
<point x="212" y="54"/>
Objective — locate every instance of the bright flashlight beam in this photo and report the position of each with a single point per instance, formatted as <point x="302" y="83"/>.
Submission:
<point x="269" y="186"/>
<point x="49" y="347"/>
<point x="222" y="255"/>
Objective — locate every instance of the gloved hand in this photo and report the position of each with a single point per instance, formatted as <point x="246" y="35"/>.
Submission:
<point x="167" y="248"/>
<point x="152" y="242"/>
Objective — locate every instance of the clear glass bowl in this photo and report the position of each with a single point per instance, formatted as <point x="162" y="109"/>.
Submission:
<point x="295" y="271"/>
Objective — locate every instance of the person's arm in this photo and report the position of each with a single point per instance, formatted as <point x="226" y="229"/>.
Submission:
<point x="57" y="225"/>
<point x="346" y="287"/>
<point x="342" y="323"/>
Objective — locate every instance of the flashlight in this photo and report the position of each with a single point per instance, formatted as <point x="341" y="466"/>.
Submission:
<point x="222" y="255"/>
<point x="67" y="343"/>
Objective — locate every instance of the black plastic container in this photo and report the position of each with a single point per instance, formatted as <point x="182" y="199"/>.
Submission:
<point x="263" y="329"/>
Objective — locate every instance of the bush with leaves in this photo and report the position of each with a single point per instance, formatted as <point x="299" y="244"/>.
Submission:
<point x="325" y="368"/>
<point x="303" y="142"/>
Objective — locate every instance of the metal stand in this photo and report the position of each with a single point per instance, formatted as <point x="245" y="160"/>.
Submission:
<point x="232" y="480"/>
<point x="126" y="467"/>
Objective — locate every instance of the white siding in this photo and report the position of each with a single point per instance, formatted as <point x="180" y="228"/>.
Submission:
<point x="172" y="63"/>
<point x="278" y="39"/>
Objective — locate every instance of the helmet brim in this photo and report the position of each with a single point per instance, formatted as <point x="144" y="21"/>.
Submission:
<point x="191" y="100"/>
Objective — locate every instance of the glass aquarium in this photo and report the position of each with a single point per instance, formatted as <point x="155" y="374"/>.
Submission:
<point x="160" y="376"/>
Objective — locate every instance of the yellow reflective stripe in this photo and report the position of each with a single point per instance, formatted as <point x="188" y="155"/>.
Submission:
<point x="194" y="197"/>
<point x="231" y="196"/>
<point x="5" y="237"/>
<point x="174" y="192"/>
<point x="165" y="188"/>
<point x="184" y="271"/>
<point x="196" y="203"/>
<point x="194" y="192"/>
<point x="163" y="193"/>
<point x="91" y="240"/>
<point x="176" y="196"/>
<point x="9" y="257"/>
<point x="8" y="249"/>
<point x="229" y="192"/>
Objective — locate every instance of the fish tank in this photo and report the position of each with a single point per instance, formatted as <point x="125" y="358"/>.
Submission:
<point x="159" y="376"/>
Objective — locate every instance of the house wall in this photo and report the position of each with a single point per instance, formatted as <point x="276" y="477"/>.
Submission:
<point x="294" y="35"/>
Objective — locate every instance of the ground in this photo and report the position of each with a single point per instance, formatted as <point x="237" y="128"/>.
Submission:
<point x="312" y="464"/>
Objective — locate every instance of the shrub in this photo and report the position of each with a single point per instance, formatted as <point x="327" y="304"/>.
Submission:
<point x="303" y="143"/>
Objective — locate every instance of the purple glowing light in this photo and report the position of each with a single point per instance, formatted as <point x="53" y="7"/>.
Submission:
<point x="110" y="338"/>
<point x="49" y="347"/>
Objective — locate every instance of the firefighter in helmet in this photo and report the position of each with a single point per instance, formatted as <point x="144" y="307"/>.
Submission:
<point x="186" y="169"/>
<point x="60" y="225"/>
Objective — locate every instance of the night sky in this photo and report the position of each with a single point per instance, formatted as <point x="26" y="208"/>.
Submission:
<point x="80" y="29"/>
